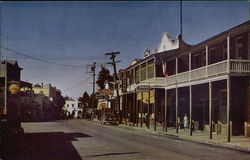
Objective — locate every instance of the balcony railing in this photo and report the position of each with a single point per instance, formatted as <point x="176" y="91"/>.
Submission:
<point x="217" y="68"/>
<point x="240" y="66"/>
<point x="198" y="73"/>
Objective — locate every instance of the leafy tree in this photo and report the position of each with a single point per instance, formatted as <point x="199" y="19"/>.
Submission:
<point x="104" y="75"/>
<point x="85" y="99"/>
<point x="58" y="102"/>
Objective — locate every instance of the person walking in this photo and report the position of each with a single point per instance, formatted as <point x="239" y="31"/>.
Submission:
<point x="185" y="120"/>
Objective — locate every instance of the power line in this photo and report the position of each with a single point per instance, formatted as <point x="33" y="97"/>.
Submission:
<point x="38" y="59"/>
<point x="76" y="84"/>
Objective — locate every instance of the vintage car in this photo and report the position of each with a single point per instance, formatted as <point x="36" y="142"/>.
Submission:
<point x="108" y="118"/>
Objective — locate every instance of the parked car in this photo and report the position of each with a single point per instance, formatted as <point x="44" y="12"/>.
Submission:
<point x="108" y="118"/>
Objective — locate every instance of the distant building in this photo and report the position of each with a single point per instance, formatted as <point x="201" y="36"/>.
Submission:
<point x="73" y="108"/>
<point x="45" y="89"/>
<point x="13" y="77"/>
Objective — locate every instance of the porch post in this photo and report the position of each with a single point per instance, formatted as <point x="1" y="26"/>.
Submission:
<point x="228" y="54"/>
<point x="148" y="116"/>
<point x="132" y="108"/>
<point x="190" y="110"/>
<point x="136" y="109"/>
<point x="189" y="58"/>
<point x="126" y="110"/>
<point x="165" y="116"/>
<point x="210" y="110"/>
<point x="228" y="108"/>
<point x="206" y="60"/>
<point x="176" y="98"/>
<point x="154" y="111"/>
<point x="141" y="108"/>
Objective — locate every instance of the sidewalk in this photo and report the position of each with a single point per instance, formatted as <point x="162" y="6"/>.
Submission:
<point x="237" y="142"/>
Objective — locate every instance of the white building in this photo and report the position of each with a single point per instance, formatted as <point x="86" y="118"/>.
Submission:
<point x="73" y="108"/>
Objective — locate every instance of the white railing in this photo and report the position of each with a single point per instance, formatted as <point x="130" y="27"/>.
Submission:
<point x="217" y="68"/>
<point x="171" y="80"/>
<point x="183" y="77"/>
<point x="240" y="65"/>
<point x="198" y="73"/>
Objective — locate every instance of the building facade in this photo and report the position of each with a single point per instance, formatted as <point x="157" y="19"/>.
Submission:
<point x="45" y="89"/>
<point x="209" y="82"/>
<point x="73" y="108"/>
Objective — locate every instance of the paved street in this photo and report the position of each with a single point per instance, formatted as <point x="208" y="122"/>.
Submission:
<point x="87" y="140"/>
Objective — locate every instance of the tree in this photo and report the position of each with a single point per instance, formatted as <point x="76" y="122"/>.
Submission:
<point x="58" y="102"/>
<point x="85" y="99"/>
<point x="104" y="75"/>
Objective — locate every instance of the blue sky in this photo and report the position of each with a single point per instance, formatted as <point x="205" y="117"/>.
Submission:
<point x="79" y="33"/>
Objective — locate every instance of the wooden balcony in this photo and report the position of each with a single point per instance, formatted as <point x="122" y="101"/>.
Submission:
<point x="213" y="70"/>
<point x="241" y="66"/>
<point x="235" y="66"/>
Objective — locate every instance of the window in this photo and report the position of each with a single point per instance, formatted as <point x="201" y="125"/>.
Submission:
<point x="224" y="51"/>
<point x="137" y="74"/>
<point x="199" y="59"/>
<point x="143" y="72"/>
<point x="238" y="48"/>
<point x="150" y="69"/>
<point x="212" y="55"/>
<point x="132" y="78"/>
<point x="72" y="105"/>
<point x="203" y="58"/>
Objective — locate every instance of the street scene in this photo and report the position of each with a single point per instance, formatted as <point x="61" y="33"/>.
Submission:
<point x="125" y="80"/>
<point x="81" y="139"/>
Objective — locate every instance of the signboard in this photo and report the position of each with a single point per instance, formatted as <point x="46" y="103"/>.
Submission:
<point x="14" y="89"/>
<point x="99" y="96"/>
<point x="106" y="91"/>
<point x="143" y="88"/>
<point x="123" y="78"/>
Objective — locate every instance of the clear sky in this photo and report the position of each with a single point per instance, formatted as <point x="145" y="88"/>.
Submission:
<point x="79" y="33"/>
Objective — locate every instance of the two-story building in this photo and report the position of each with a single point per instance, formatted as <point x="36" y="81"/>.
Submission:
<point x="73" y="108"/>
<point x="10" y="73"/>
<point x="208" y="81"/>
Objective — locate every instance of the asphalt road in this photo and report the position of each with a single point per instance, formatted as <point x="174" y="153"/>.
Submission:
<point x="87" y="140"/>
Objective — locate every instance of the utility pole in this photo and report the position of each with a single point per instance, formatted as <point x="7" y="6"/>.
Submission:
<point x="181" y="17"/>
<point x="93" y="67"/>
<point x="113" y="55"/>
<point x="6" y="79"/>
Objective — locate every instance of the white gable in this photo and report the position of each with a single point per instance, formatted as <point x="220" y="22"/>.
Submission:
<point x="167" y="43"/>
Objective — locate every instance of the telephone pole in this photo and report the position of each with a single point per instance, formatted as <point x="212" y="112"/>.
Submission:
<point x="112" y="57"/>
<point x="93" y="67"/>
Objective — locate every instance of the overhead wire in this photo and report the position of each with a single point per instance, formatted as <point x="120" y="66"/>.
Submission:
<point x="76" y="84"/>
<point x="38" y="59"/>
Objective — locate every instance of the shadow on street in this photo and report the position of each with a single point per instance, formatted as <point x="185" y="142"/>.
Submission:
<point x="42" y="146"/>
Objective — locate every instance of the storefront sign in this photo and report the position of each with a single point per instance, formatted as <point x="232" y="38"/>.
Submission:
<point x="99" y="96"/>
<point x="143" y="88"/>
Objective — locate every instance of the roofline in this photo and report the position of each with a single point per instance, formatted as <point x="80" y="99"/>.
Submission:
<point x="192" y="47"/>
<point x="227" y="32"/>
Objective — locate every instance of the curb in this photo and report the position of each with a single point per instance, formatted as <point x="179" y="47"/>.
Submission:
<point x="200" y="141"/>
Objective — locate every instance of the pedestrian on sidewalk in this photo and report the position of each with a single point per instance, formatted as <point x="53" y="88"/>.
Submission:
<point x="185" y="120"/>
